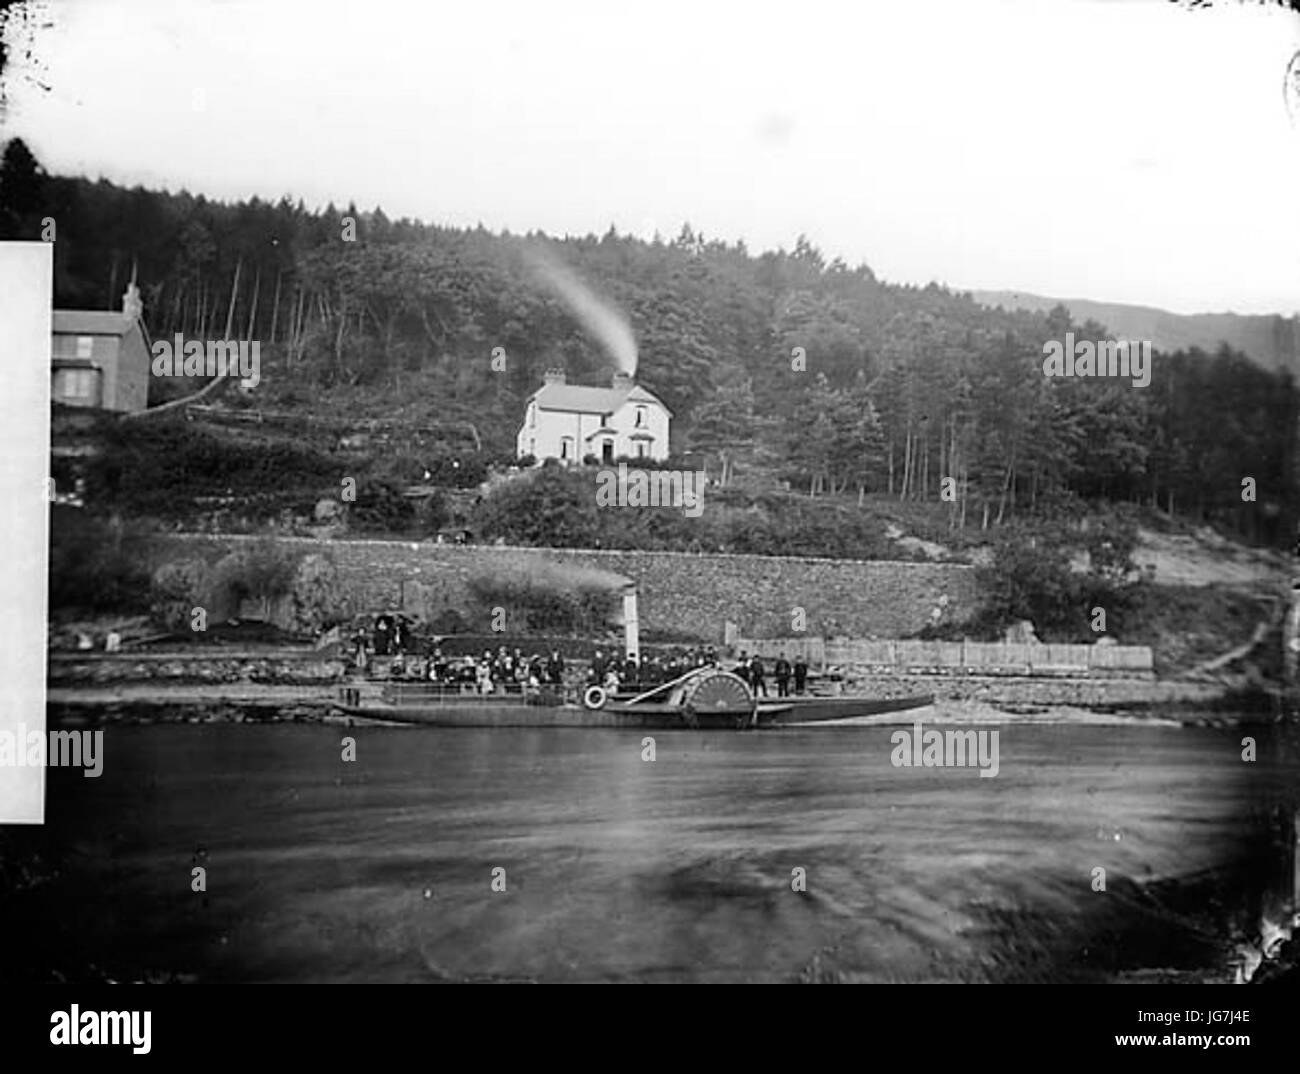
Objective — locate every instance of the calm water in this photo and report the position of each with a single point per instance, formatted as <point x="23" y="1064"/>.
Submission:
<point x="622" y="869"/>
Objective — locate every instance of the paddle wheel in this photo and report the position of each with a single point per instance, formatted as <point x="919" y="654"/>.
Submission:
<point x="716" y="696"/>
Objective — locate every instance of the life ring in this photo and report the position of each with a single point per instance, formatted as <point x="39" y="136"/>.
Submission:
<point x="595" y="697"/>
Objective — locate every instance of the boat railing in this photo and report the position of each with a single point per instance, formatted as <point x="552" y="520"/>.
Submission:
<point x="425" y="693"/>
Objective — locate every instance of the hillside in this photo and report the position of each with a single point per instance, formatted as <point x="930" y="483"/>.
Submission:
<point x="788" y="374"/>
<point x="1272" y="341"/>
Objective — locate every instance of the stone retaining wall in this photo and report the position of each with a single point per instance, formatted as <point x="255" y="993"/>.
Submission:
<point x="681" y="593"/>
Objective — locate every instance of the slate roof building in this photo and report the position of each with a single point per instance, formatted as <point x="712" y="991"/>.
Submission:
<point x="571" y="421"/>
<point x="100" y="358"/>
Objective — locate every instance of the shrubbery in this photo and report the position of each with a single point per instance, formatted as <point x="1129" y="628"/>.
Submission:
<point x="300" y="592"/>
<point x="1034" y="580"/>
<point x="556" y="507"/>
<point x="316" y="600"/>
<point x="157" y="466"/>
<point x="177" y="589"/>
<point x="542" y="602"/>
<point x="381" y="506"/>
<point x="95" y="566"/>
<point x="262" y="571"/>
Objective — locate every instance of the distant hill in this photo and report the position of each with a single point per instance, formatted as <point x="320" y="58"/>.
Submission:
<point x="1273" y="341"/>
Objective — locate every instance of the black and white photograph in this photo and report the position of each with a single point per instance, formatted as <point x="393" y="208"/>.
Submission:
<point x="677" y="494"/>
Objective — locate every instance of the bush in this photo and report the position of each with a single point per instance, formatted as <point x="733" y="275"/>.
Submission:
<point x="177" y="589"/>
<point x="381" y="506"/>
<point x="95" y="566"/>
<point x="261" y="571"/>
<point x="540" y="603"/>
<point x="1031" y="582"/>
<point x="550" y="506"/>
<point x="316" y="602"/>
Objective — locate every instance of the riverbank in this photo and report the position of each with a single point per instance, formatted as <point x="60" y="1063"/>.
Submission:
<point x="303" y="685"/>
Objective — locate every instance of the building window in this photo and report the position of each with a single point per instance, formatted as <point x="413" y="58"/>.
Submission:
<point x="85" y="346"/>
<point x="566" y="447"/>
<point x="78" y="384"/>
<point x="532" y="415"/>
<point x="607" y="450"/>
<point x="640" y="417"/>
<point x="641" y="449"/>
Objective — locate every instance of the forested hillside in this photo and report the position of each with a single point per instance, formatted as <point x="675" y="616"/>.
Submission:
<point x="780" y="366"/>
<point x="1272" y="341"/>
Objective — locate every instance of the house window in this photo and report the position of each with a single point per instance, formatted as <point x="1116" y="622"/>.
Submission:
<point x="566" y="447"/>
<point x="85" y="346"/>
<point x="607" y="450"/>
<point x="78" y="384"/>
<point x="641" y="449"/>
<point x="532" y="415"/>
<point x="640" y="417"/>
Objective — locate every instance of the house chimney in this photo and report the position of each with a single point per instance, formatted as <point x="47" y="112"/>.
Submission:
<point x="131" y="304"/>
<point x="622" y="382"/>
<point x="554" y="376"/>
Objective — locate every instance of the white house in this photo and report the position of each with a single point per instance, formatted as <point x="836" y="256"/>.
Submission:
<point x="570" y="421"/>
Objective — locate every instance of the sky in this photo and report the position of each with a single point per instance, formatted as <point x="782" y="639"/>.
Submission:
<point x="1134" y="152"/>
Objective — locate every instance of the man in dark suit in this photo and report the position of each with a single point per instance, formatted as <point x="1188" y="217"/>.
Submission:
<point x="782" y="676"/>
<point x="555" y="668"/>
<point x="756" y="680"/>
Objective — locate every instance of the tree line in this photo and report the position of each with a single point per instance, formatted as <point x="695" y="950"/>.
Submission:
<point x="780" y="366"/>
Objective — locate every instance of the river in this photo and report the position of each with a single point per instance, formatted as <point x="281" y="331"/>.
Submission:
<point x="618" y="868"/>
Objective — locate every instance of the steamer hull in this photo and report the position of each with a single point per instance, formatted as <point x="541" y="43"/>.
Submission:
<point x="414" y="705"/>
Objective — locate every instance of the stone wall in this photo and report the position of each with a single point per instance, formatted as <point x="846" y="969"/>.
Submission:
<point x="678" y="592"/>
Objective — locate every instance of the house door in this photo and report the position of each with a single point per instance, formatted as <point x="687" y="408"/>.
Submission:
<point x="607" y="450"/>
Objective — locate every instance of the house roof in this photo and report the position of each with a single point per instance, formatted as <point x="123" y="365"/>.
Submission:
<point x="578" y="397"/>
<point x="91" y="323"/>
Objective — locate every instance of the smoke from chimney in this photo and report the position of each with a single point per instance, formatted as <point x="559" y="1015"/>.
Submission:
<point x="595" y="314"/>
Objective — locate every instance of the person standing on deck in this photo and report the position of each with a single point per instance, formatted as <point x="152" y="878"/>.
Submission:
<point x="383" y="636"/>
<point x="756" y="680"/>
<point x="597" y="674"/>
<point x="783" y="670"/>
<point x="359" y="649"/>
<point x="555" y="668"/>
<point x="800" y="675"/>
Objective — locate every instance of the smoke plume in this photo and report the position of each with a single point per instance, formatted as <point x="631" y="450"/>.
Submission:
<point x="600" y="318"/>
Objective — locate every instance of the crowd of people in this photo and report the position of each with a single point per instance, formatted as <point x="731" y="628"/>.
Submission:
<point x="391" y="638"/>
<point x="632" y="674"/>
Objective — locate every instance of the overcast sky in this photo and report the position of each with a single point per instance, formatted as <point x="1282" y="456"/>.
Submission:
<point x="1125" y="151"/>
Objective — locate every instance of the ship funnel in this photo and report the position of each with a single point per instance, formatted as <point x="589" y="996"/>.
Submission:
<point x="631" y="631"/>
